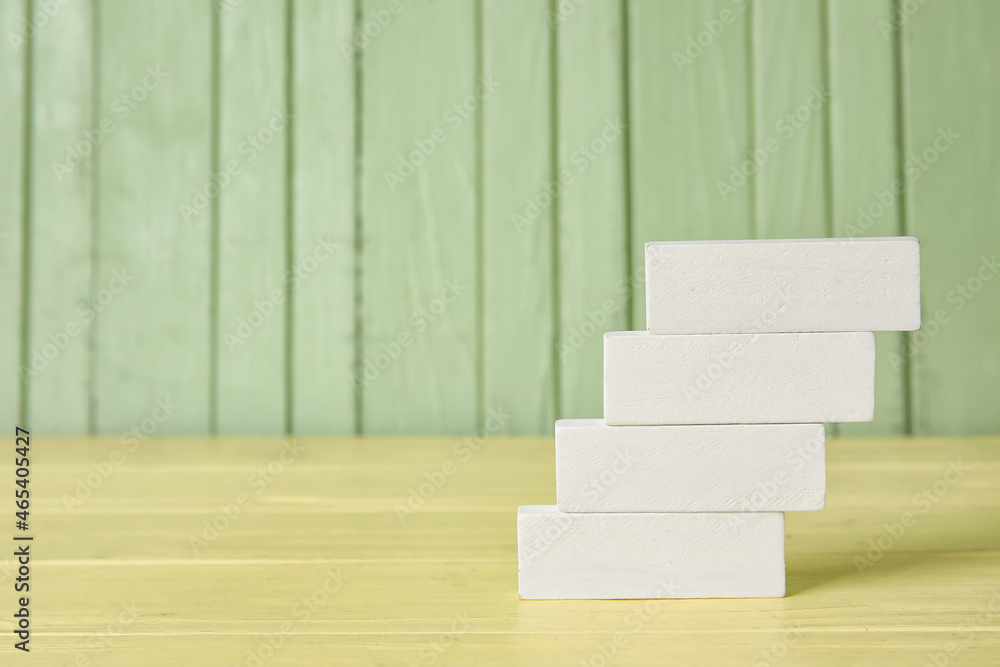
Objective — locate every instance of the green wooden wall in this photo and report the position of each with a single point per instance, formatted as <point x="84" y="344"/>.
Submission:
<point x="417" y="216"/>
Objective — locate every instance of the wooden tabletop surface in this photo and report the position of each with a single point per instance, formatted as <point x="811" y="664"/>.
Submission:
<point x="310" y="560"/>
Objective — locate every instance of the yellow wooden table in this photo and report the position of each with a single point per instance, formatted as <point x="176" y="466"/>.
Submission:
<point x="254" y="552"/>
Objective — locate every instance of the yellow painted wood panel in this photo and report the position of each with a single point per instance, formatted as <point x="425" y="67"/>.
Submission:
<point x="394" y="588"/>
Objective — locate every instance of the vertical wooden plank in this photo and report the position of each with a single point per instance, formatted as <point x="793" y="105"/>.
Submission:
<point x="253" y="129"/>
<point x="864" y="169"/>
<point x="65" y="133"/>
<point x="322" y="290"/>
<point x="593" y="273"/>
<point x="13" y="61"/>
<point x="152" y="338"/>
<point x="951" y="105"/>
<point x="517" y="216"/>
<point x="418" y="364"/>
<point x="790" y="104"/>
<point x="689" y="130"/>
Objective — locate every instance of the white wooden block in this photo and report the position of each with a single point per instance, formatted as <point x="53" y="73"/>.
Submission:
<point x="794" y="378"/>
<point x="727" y="468"/>
<point x="618" y="556"/>
<point x="783" y="286"/>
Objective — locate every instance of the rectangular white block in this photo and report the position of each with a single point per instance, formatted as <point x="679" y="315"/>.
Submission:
<point x="802" y="285"/>
<point x="721" y="468"/>
<point x="620" y="556"/>
<point x="793" y="378"/>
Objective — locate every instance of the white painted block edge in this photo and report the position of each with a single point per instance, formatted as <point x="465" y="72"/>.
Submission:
<point x="647" y="555"/>
<point x="711" y="468"/>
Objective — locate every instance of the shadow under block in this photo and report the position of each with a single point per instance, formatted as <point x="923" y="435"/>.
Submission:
<point x="794" y="378"/>
<point x="699" y="287"/>
<point x="722" y="468"/>
<point x="649" y="555"/>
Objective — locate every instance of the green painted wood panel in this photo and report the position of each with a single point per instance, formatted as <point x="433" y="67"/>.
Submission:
<point x="487" y="312"/>
<point x="152" y="338"/>
<point x="13" y="64"/>
<point x="864" y="165"/>
<point x="323" y="157"/>
<point x="592" y="217"/>
<point x="789" y="110"/>
<point x="689" y="98"/>
<point x="419" y="274"/>
<point x="252" y="233"/>
<point x="517" y="214"/>
<point x="63" y="136"/>
<point x="951" y="107"/>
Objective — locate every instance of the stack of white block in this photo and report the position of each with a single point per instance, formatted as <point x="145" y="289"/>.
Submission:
<point x="713" y="418"/>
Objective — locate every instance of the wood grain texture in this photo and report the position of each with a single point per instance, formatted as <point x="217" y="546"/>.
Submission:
<point x="790" y="103"/>
<point x="419" y="277"/>
<point x="864" y="168"/>
<point x="13" y="64"/>
<point x="251" y="266"/>
<point x="689" y="124"/>
<point x="953" y="201"/>
<point x="517" y="226"/>
<point x="322" y="289"/>
<point x="65" y="133"/>
<point x="406" y="584"/>
<point x="594" y="278"/>
<point x="152" y="338"/>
